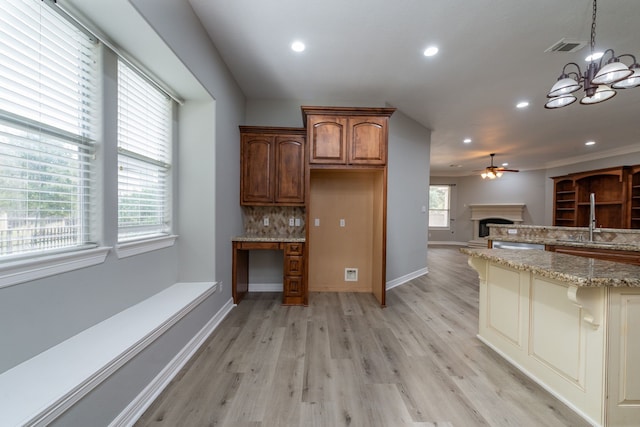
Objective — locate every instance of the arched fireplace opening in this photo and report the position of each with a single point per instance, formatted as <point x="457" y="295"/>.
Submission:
<point x="483" y="225"/>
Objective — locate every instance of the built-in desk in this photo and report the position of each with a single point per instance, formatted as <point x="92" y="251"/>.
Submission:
<point x="294" y="288"/>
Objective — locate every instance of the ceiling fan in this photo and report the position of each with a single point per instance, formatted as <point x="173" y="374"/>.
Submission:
<point x="493" y="172"/>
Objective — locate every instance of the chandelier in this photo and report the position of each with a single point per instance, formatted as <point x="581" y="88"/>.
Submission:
<point x="599" y="81"/>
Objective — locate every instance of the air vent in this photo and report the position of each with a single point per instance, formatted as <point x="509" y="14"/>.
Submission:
<point x="565" y="45"/>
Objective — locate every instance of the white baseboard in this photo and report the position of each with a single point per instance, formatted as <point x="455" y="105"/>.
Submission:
<point x="141" y="403"/>
<point x="406" y="278"/>
<point x="265" y="287"/>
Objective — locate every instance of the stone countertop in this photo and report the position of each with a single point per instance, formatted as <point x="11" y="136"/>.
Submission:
<point x="571" y="269"/>
<point x="283" y="239"/>
<point x="573" y="243"/>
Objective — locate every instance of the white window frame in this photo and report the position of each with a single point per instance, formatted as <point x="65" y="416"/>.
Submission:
<point x="447" y="210"/>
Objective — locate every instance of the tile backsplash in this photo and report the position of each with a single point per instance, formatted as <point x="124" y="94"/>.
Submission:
<point x="278" y="217"/>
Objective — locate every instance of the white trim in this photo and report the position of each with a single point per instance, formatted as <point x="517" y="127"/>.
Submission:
<point x="143" y="401"/>
<point x="44" y="387"/>
<point x="24" y="270"/>
<point x="127" y="249"/>
<point x="265" y="287"/>
<point x="406" y="278"/>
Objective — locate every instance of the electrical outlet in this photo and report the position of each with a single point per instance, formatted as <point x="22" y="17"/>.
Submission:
<point x="265" y="221"/>
<point x="291" y="222"/>
<point x="316" y="222"/>
<point x="342" y="223"/>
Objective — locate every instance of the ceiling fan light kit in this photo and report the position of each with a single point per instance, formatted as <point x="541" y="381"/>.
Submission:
<point x="599" y="81"/>
<point x="493" y="172"/>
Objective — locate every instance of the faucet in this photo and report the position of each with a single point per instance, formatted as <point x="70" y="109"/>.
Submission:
<point x="592" y="215"/>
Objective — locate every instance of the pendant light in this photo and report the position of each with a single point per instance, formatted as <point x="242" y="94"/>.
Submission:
<point x="599" y="81"/>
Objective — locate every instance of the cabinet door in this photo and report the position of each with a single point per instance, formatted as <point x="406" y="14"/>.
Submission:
<point x="367" y="140"/>
<point x="257" y="169"/>
<point x="289" y="170"/>
<point x="327" y="140"/>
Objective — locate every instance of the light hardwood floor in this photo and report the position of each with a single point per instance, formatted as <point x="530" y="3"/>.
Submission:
<point x="344" y="361"/>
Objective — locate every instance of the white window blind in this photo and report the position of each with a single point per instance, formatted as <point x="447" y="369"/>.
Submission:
<point x="48" y="99"/>
<point x="144" y="157"/>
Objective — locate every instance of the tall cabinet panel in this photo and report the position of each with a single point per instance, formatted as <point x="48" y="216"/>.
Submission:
<point x="347" y="199"/>
<point x="634" y="202"/>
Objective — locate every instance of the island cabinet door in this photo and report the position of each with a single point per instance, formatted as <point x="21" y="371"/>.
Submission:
<point x="623" y="376"/>
<point x="328" y="140"/>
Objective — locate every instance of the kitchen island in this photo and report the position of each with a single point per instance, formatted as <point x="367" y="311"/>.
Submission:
<point x="570" y="323"/>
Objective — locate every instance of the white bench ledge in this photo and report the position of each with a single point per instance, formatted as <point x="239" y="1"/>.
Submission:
<point x="40" y="389"/>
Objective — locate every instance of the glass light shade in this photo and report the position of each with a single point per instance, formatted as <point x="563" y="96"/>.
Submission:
<point x="563" y="87"/>
<point x="632" y="81"/>
<point x="612" y="72"/>
<point x="483" y="175"/>
<point x="498" y="174"/>
<point x="560" y="101"/>
<point x="602" y="94"/>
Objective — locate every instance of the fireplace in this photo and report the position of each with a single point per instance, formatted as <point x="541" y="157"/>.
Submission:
<point x="484" y="225"/>
<point x="492" y="213"/>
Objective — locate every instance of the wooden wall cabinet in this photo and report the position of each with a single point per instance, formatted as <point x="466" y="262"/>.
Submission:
<point x="613" y="200"/>
<point x="272" y="166"/>
<point x="347" y="136"/>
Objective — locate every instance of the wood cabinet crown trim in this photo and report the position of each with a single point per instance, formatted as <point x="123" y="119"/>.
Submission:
<point x="345" y="111"/>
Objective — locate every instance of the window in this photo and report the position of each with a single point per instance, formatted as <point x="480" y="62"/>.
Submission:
<point x="439" y="206"/>
<point x="144" y="157"/>
<point x="48" y="99"/>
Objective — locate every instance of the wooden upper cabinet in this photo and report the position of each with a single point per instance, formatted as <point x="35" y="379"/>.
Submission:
<point x="272" y="166"/>
<point x="347" y="136"/>
<point x="327" y="139"/>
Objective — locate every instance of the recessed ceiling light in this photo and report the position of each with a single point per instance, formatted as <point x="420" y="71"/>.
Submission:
<point x="467" y="141"/>
<point x="522" y="104"/>
<point x="594" y="57"/>
<point x="430" y="51"/>
<point x="297" y="46"/>
<point x="455" y="166"/>
<point x="590" y="143"/>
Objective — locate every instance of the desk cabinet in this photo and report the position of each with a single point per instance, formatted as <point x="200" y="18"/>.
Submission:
<point x="294" y="289"/>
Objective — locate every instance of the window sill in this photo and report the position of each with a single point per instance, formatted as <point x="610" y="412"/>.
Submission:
<point x="15" y="272"/>
<point x="127" y="249"/>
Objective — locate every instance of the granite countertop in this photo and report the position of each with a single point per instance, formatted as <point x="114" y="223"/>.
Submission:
<point x="575" y="270"/>
<point x="572" y="243"/>
<point x="274" y="238"/>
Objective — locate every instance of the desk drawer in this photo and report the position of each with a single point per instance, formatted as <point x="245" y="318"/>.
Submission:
<point x="293" y="248"/>
<point x="258" y="245"/>
<point x="293" y="266"/>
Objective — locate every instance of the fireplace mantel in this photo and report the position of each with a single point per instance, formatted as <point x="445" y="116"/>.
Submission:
<point x="479" y="211"/>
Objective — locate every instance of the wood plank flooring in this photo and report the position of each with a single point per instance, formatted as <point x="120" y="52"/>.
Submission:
<point x="344" y="361"/>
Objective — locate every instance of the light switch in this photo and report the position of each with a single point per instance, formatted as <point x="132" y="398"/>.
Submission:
<point x="342" y="222"/>
<point x="316" y="222"/>
<point x="265" y="221"/>
<point x="297" y="222"/>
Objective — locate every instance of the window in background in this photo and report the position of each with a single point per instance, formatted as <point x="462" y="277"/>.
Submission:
<point x="48" y="99"/>
<point x="439" y="206"/>
<point x="144" y="157"/>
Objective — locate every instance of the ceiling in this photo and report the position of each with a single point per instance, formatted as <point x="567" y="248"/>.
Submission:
<point x="492" y="55"/>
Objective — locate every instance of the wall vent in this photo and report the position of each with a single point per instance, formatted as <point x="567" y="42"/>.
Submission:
<point x="565" y="45"/>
